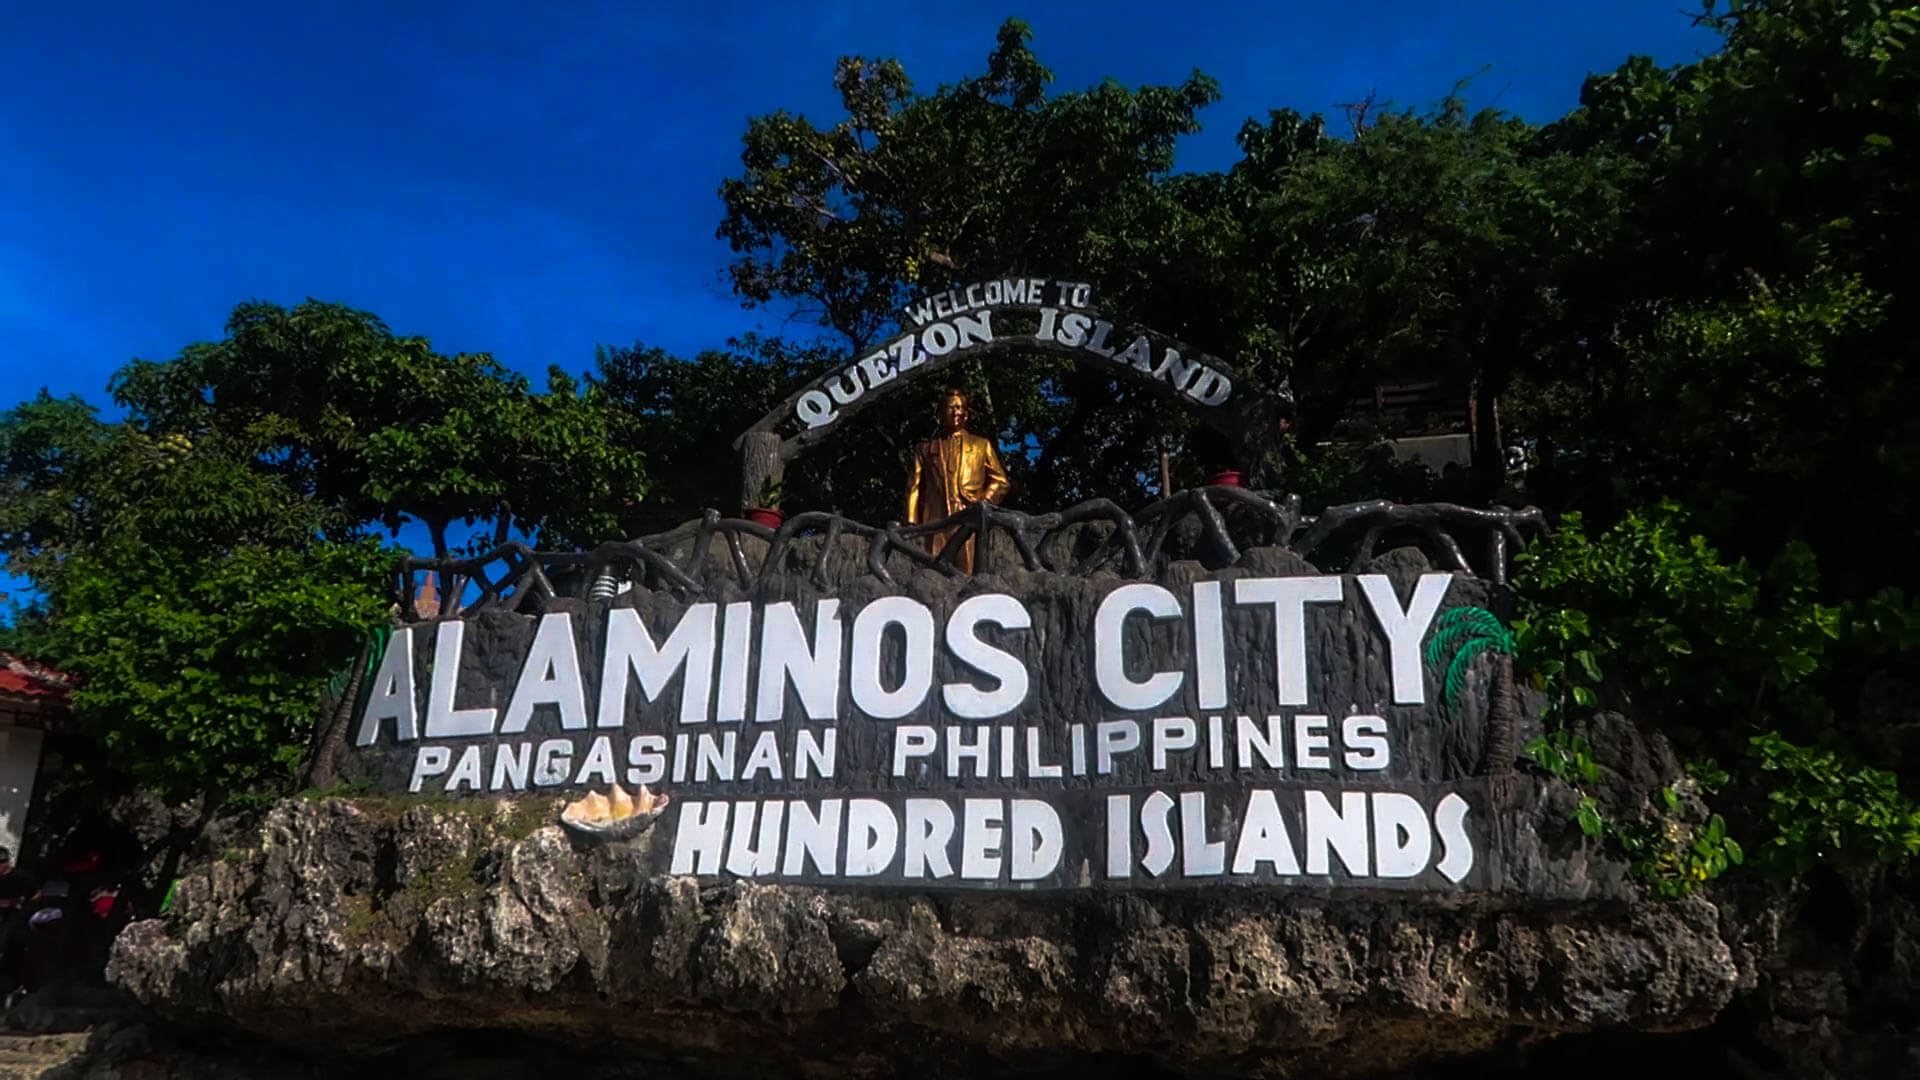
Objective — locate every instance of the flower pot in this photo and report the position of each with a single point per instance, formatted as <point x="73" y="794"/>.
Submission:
<point x="1229" y="478"/>
<point x="761" y="515"/>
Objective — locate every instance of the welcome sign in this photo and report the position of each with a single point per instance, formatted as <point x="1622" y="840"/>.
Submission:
<point x="1026" y="730"/>
<point x="1011" y="319"/>
<point x="960" y="320"/>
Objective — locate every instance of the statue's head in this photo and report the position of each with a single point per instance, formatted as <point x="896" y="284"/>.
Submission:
<point x="953" y="411"/>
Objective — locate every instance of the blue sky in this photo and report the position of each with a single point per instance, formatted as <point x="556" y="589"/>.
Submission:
<point x="536" y="179"/>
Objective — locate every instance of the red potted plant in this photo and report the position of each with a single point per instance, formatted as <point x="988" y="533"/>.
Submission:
<point x="768" y="511"/>
<point x="1226" y="478"/>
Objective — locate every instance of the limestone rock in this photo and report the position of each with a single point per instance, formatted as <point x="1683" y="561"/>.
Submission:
<point x="362" y="932"/>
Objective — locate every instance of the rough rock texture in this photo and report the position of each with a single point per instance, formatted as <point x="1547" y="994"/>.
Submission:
<point x="366" y="931"/>
<point x="1830" y="975"/>
<point x="474" y="940"/>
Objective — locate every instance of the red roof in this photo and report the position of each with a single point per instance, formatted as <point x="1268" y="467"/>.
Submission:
<point x="19" y="675"/>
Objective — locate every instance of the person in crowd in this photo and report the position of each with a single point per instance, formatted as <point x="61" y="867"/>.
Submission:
<point x="50" y="936"/>
<point x="107" y="913"/>
<point x="16" y="891"/>
<point x="12" y="877"/>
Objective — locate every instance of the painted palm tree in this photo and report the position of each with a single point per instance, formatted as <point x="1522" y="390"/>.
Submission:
<point x="1470" y="633"/>
<point x="343" y="697"/>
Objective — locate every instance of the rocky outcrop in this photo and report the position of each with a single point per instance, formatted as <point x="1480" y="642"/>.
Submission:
<point x="366" y="931"/>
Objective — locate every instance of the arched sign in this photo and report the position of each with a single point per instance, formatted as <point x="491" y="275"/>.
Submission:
<point x="970" y="322"/>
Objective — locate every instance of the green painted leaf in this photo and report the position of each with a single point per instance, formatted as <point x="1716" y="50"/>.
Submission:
<point x="1588" y="815"/>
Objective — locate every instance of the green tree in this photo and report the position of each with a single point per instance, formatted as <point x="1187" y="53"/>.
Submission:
<point x="912" y="192"/>
<point x="1428" y="246"/>
<point x="378" y="427"/>
<point x="1752" y="353"/>
<point x="209" y="563"/>
<point x="193" y="591"/>
<point x="684" y="411"/>
<point x="201" y="676"/>
<point x="1425" y="246"/>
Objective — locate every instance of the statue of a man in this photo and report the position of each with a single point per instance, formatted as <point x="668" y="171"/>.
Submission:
<point x="951" y="472"/>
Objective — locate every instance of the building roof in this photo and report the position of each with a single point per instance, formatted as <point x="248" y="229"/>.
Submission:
<point x="31" y="693"/>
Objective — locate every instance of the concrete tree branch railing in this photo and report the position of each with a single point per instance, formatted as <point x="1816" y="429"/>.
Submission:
<point x="1342" y="538"/>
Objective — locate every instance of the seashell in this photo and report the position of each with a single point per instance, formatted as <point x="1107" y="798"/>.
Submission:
<point x="592" y="810"/>
<point x="598" y="819"/>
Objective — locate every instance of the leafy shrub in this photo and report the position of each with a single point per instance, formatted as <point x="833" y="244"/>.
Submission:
<point x="1723" y="658"/>
<point x="1653" y="614"/>
<point x="202" y="676"/>
<point x="1825" y="807"/>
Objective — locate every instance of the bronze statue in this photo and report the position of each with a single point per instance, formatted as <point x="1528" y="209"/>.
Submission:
<point x="951" y="472"/>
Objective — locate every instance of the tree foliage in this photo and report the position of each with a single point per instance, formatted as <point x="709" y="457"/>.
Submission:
<point x="208" y="563"/>
<point x="1687" y="302"/>
<point x="1686" y="293"/>
<point x="377" y="427"/>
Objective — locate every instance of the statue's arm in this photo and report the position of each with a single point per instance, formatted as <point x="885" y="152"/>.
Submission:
<point x="997" y="482"/>
<point x="913" y="491"/>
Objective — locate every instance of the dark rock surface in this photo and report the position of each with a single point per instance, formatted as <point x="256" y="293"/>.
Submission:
<point x="473" y="939"/>
<point x="367" y="931"/>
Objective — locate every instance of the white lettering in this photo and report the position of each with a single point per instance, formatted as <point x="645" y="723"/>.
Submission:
<point x="647" y="759"/>
<point x="1402" y="841"/>
<point x="1156" y="817"/>
<point x="598" y="767"/>
<point x="1172" y="733"/>
<point x="391" y="697"/>
<point x="1289" y="597"/>
<point x="1365" y="739"/>
<point x="1199" y="856"/>
<point x="1344" y="831"/>
<point x="1263" y="837"/>
<point x="443" y="720"/>
<point x="1209" y="646"/>
<point x="466" y="774"/>
<point x="812" y="836"/>
<point x="1405" y="629"/>
<point x="873" y="834"/>
<point x="785" y="654"/>
<point x="553" y="763"/>
<point x="814" y="755"/>
<point x="980" y="839"/>
<point x="869" y="638"/>
<point x="699" y="839"/>
<point x="1109" y="646"/>
<point x="1114" y="737"/>
<point x="911" y="741"/>
<point x="429" y="761"/>
<point x="939" y="339"/>
<point x="550" y="676"/>
<point x="760" y="859"/>
<point x="631" y="651"/>
<point x="1036" y="837"/>
<point x="1119" y="836"/>
<point x="974" y="329"/>
<point x="1310" y="742"/>
<point x="964" y="699"/>
<point x="815" y="409"/>
<point x="1450" y="819"/>
<point x="929" y="831"/>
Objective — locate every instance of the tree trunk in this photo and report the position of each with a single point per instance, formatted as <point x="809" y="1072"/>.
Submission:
<point x="761" y="463"/>
<point x="324" y="769"/>
<point x="504" y="524"/>
<point x="1489" y="453"/>
<point x="1501" y="711"/>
